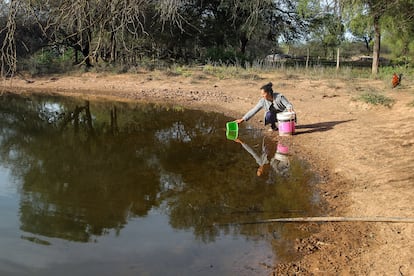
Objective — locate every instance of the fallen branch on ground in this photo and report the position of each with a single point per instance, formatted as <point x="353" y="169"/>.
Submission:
<point x="333" y="219"/>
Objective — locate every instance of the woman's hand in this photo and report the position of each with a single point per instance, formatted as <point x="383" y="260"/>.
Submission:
<point x="239" y="120"/>
<point x="237" y="140"/>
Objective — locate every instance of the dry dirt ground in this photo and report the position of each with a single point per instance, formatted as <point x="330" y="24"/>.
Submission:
<point x="364" y="153"/>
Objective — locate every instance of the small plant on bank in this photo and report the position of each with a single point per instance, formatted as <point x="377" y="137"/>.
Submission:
<point x="227" y="72"/>
<point x="178" y="71"/>
<point x="376" y="99"/>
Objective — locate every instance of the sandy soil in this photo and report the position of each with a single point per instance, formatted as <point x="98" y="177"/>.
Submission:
<point x="364" y="153"/>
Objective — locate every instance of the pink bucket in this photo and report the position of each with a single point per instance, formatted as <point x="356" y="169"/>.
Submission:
<point x="282" y="152"/>
<point x="281" y="148"/>
<point x="286" y="123"/>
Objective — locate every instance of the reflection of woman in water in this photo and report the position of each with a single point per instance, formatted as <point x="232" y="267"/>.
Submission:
<point x="280" y="164"/>
<point x="262" y="160"/>
<point x="279" y="161"/>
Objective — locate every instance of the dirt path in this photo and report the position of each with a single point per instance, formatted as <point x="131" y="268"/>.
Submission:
<point x="364" y="153"/>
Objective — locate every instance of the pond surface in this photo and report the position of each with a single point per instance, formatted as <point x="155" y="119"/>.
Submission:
<point x="98" y="188"/>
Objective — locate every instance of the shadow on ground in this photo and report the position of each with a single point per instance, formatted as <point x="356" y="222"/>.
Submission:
<point x="318" y="127"/>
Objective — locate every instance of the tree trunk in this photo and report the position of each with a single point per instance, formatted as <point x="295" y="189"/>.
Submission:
<point x="307" y="58"/>
<point x="76" y="55"/>
<point x="243" y="43"/>
<point x="377" y="45"/>
<point x="84" y="49"/>
<point x="337" y="60"/>
<point x="89" y="118"/>
<point x="366" y="41"/>
<point x="113" y="47"/>
<point x="85" y="52"/>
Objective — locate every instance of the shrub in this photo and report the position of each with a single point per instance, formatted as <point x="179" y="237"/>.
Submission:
<point x="226" y="56"/>
<point x="377" y="99"/>
<point x="48" y="61"/>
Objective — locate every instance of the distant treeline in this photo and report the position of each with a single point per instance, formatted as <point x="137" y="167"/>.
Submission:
<point x="131" y="32"/>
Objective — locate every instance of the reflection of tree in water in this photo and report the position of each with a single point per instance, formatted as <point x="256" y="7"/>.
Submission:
<point x="75" y="118"/>
<point x="77" y="180"/>
<point x="85" y="172"/>
<point x="87" y="168"/>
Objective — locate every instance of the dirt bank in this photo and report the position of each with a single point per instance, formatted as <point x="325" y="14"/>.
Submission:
<point x="364" y="153"/>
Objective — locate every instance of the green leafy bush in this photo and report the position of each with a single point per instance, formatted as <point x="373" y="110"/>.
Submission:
<point x="377" y="99"/>
<point x="225" y="56"/>
<point x="48" y="61"/>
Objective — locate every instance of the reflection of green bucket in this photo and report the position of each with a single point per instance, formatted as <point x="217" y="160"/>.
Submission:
<point x="232" y="130"/>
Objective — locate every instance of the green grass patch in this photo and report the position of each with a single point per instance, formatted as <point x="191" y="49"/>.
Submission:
<point x="230" y="72"/>
<point x="179" y="71"/>
<point x="376" y="99"/>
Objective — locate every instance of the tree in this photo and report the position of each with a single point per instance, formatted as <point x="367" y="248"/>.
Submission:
<point x="90" y="27"/>
<point x="329" y="33"/>
<point x="8" y="48"/>
<point x="399" y="30"/>
<point x="361" y="28"/>
<point x="326" y="28"/>
<point x="376" y="10"/>
<point x="120" y="30"/>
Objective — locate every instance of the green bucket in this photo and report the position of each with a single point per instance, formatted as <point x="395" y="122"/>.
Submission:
<point x="232" y="130"/>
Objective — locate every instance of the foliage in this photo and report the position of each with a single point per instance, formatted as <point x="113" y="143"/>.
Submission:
<point x="370" y="19"/>
<point x="182" y="31"/>
<point x="376" y="99"/>
<point x="386" y="73"/>
<point x="225" y="72"/>
<point x="399" y="30"/>
<point x="226" y="56"/>
<point x="179" y="71"/>
<point x="361" y="28"/>
<point x="120" y="35"/>
<point x="48" y="61"/>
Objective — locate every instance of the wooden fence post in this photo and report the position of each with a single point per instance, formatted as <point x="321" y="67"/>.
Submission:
<point x="337" y="60"/>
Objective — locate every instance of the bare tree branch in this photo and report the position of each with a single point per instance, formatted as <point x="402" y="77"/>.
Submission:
<point x="8" y="48"/>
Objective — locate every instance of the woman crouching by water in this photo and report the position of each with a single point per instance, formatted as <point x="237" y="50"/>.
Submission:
<point x="272" y="102"/>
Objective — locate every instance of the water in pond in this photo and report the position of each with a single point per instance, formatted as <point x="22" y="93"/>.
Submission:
<point x="130" y="189"/>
